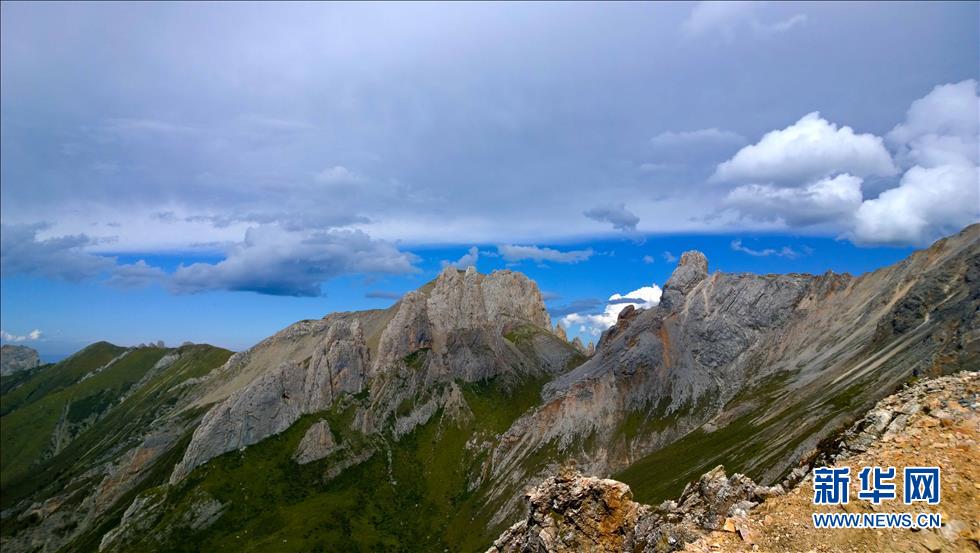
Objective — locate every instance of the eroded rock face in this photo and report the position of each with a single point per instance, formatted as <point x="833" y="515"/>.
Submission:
<point x="278" y="398"/>
<point x="794" y="354"/>
<point x="316" y="444"/>
<point x="574" y="513"/>
<point x="452" y="329"/>
<point x="17" y="358"/>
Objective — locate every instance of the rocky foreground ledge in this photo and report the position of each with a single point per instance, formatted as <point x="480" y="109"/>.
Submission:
<point x="933" y="422"/>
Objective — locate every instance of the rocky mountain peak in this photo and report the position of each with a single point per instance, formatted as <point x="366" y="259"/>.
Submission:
<point x="17" y="358"/>
<point x="691" y="270"/>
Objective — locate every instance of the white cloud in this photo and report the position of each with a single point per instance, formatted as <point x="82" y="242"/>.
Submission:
<point x="648" y="259"/>
<point x="645" y="297"/>
<point x="468" y="259"/>
<point x="669" y="257"/>
<point x="275" y="261"/>
<point x="514" y="254"/>
<point x="826" y="200"/>
<point x="927" y="204"/>
<point x="688" y="138"/>
<point x="941" y="128"/>
<point x="784" y="251"/>
<point x="809" y="149"/>
<point x="620" y="217"/>
<point x="30" y="336"/>
<point x="726" y="18"/>
<point x="940" y="193"/>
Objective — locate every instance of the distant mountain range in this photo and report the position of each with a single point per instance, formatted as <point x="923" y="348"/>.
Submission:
<point x="419" y="427"/>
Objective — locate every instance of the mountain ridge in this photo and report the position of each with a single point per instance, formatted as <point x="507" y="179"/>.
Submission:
<point x="437" y="412"/>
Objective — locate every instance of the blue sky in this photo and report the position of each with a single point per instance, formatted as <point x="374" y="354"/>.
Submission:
<point x="214" y="172"/>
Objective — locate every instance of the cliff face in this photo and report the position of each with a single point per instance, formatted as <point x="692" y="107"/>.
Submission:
<point x="452" y="330"/>
<point x="751" y="370"/>
<point x="17" y="358"/>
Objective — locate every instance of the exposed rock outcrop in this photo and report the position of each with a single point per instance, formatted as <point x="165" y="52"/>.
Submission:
<point x="453" y="328"/>
<point x="570" y="512"/>
<point x="784" y="359"/>
<point x="17" y="358"/>
<point x="575" y="513"/>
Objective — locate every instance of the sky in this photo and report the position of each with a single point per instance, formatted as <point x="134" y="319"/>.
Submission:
<point x="214" y="172"/>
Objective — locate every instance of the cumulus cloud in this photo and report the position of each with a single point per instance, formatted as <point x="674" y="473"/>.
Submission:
<point x="941" y="128"/>
<point x="728" y="17"/>
<point x="826" y="200"/>
<point x="784" y="251"/>
<point x="669" y="257"/>
<point x="940" y="192"/>
<point x="271" y="260"/>
<point x="810" y="173"/>
<point x="514" y="254"/>
<point x="30" y="336"/>
<point x="62" y="257"/>
<point x="809" y="149"/>
<point x="648" y="259"/>
<point x="593" y="324"/>
<point x="468" y="259"/>
<point x="620" y="217"/>
<point x="927" y="204"/>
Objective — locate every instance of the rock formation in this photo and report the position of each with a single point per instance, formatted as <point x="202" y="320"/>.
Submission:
<point x="570" y="512"/>
<point x="17" y="358"/>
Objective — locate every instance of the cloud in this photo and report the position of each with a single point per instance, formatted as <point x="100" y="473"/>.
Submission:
<point x="338" y="174"/>
<point x="585" y="305"/>
<point x="30" y="336"/>
<point x="620" y="217"/>
<point x="550" y="296"/>
<point x="941" y="128"/>
<point x="468" y="259"/>
<point x="62" y="257"/>
<point x="940" y="193"/>
<point x="669" y="257"/>
<point x="826" y="200"/>
<point x="135" y="275"/>
<point x="726" y="18"/>
<point x="809" y="149"/>
<point x="383" y="295"/>
<point x="593" y="324"/>
<point x="927" y="204"/>
<point x="648" y="259"/>
<point x="514" y="254"/>
<point x="274" y="261"/>
<point x="693" y="138"/>
<point x="784" y="251"/>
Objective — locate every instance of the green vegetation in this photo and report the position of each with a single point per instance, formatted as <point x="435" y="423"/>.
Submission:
<point x="59" y="376"/>
<point x="410" y="495"/>
<point x="416" y="359"/>
<point x="28" y="431"/>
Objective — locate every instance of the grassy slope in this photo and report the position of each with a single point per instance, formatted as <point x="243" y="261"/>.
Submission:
<point x="743" y="445"/>
<point x="27" y="430"/>
<point x="59" y="376"/>
<point x="416" y="502"/>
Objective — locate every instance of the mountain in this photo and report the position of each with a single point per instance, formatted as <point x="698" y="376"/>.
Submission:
<point x="420" y="426"/>
<point x="570" y="512"/>
<point x="17" y="358"/>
